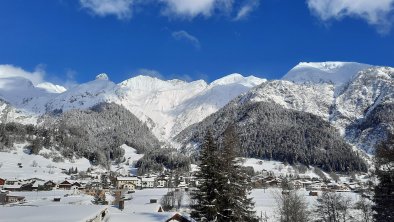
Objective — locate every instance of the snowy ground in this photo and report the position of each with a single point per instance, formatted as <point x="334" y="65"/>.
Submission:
<point x="45" y="169"/>
<point x="138" y="208"/>
<point x="40" y="207"/>
<point x="266" y="205"/>
<point x="131" y="157"/>
<point x="276" y="167"/>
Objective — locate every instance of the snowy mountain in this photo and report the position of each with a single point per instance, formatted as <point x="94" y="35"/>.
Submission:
<point x="337" y="73"/>
<point x="342" y="93"/>
<point x="167" y="107"/>
<point x="360" y="108"/>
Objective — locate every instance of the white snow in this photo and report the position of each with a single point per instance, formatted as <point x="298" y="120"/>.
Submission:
<point x="139" y="207"/>
<point x="166" y="106"/>
<point x="329" y="72"/>
<point x="277" y="168"/>
<point x="266" y="204"/>
<point x="51" y="88"/>
<point x="131" y="157"/>
<point x="46" y="169"/>
<point x="39" y="207"/>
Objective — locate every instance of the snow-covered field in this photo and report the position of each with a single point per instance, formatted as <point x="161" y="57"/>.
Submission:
<point x="35" y="166"/>
<point x="276" y="167"/>
<point x="266" y="204"/>
<point x="131" y="157"/>
<point x="40" y="207"/>
<point x="138" y="208"/>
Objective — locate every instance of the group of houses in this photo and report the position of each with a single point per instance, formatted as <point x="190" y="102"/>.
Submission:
<point x="35" y="184"/>
<point x="309" y="183"/>
<point x="153" y="181"/>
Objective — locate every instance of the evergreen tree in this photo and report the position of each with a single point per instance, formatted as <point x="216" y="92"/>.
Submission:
<point x="206" y="196"/>
<point x="233" y="203"/>
<point x="384" y="191"/>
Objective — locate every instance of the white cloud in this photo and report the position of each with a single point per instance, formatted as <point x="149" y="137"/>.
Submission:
<point x="246" y="9"/>
<point x="36" y="77"/>
<point x="122" y="9"/>
<point x="184" y="9"/>
<point x="185" y="36"/>
<point x="376" y="12"/>
<point x="193" y="8"/>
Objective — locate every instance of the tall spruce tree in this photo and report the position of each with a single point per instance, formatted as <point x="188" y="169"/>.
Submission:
<point x="233" y="203"/>
<point x="384" y="191"/>
<point x="206" y="196"/>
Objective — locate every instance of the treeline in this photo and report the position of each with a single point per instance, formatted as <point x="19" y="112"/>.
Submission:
<point x="268" y="131"/>
<point x="163" y="159"/>
<point x="11" y="133"/>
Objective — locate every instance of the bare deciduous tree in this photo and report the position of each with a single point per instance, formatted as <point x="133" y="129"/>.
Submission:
<point x="365" y="206"/>
<point x="333" y="207"/>
<point x="292" y="207"/>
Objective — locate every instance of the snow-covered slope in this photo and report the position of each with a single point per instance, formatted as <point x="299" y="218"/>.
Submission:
<point x="342" y="93"/>
<point x="51" y="88"/>
<point x="170" y="106"/>
<point x="343" y="107"/>
<point x="21" y="101"/>
<point x="324" y="72"/>
<point x="166" y="106"/>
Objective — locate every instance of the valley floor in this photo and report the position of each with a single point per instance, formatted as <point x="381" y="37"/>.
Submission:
<point x="76" y="206"/>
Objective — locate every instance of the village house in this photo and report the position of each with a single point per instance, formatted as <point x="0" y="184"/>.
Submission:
<point x="5" y="198"/>
<point x="296" y="184"/>
<point x="65" y="185"/>
<point x="148" y="182"/>
<point x="122" y="181"/>
<point x="129" y="186"/>
<point x="161" y="183"/>
<point x="12" y="185"/>
<point x="49" y="185"/>
<point x="2" y="182"/>
<point x="76" y="185"/>
<point x="179" y="218"/>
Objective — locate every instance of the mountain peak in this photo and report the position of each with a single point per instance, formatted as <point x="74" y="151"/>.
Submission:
<point x="336" y="73"/>
<point x="102" y="76"/>
<point x="237" y="78"/>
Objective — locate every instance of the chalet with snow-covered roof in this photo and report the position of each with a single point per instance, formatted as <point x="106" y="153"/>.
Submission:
<point x="12" y="185"/>
<point x="66" y="185"/>
<point x="148" y="182"/>
<point x="161" y="183"/>
<point x="76" y="185"/>
<point x="49" y="185"/>
<point x="122" y="181"/>
<point x="2" y="182"/>
<point x="179" y="218"/>
<point x="5" y="198"/>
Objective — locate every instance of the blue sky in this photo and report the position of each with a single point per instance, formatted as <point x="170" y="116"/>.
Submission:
<point x="74" y="40"/>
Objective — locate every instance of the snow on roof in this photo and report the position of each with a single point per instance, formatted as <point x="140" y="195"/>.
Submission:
<point x="66" y="213"/>
<point x="146" y="217"/>
<point x="127" y="178"/>
<point x="148" y="179"/>
<point x="12" y="186"/>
